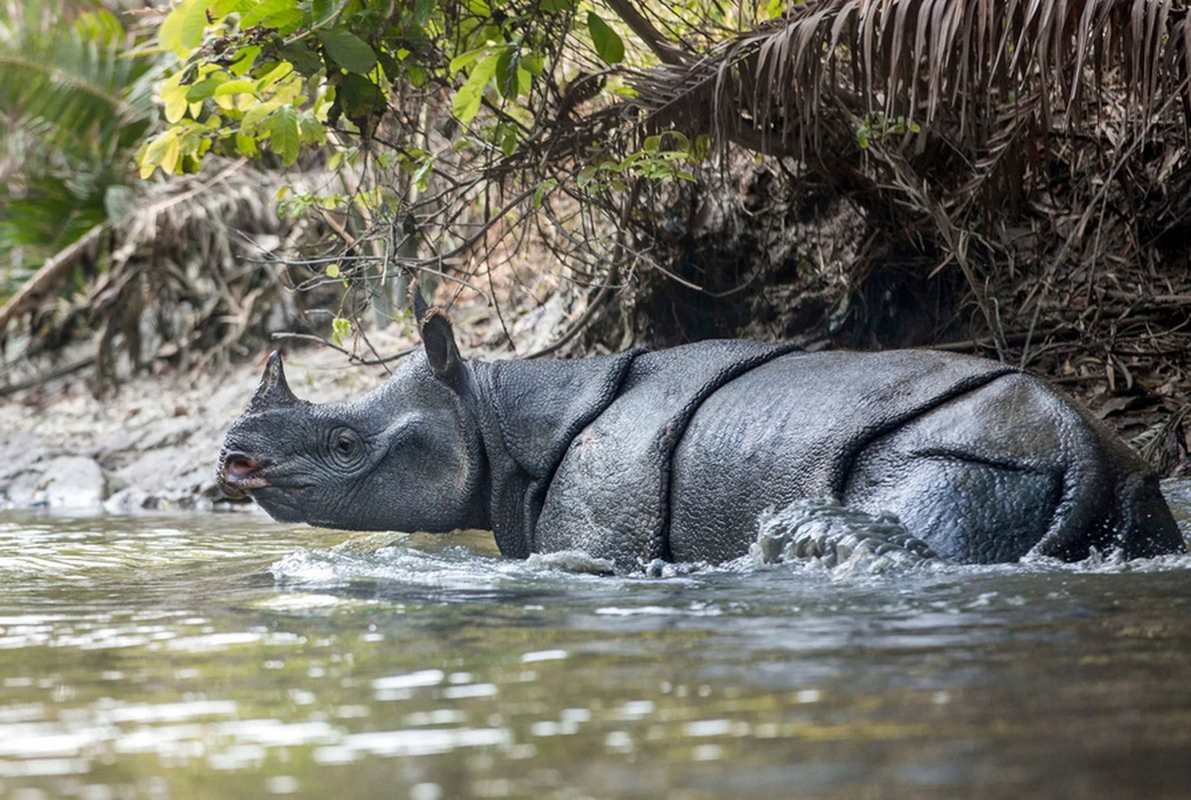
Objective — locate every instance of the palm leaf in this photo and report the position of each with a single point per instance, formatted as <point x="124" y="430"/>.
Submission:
<point x="72" y="107"/>
<point x="949" y="66"/>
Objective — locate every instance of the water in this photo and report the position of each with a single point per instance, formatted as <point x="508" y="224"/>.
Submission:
<point x="226" y="656"/>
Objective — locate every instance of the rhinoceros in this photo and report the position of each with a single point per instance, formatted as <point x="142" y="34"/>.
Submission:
<point x="676" y="454"/>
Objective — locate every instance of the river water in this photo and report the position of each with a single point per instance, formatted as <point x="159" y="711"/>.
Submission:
<point x="227" y="656"/>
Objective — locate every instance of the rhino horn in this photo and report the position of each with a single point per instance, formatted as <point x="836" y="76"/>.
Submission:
<point x="273" y="391"/>
<point x="421" y="309"/>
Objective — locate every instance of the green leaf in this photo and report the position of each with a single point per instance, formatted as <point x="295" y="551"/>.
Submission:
<point x="682" y="143"/>
<point x="284" y="135"/>
<point x="534" y="64"/>
<point x="506" y="75"/>
<point x="539" y="194"/>
<point x="323" y="11"/>
<point x="235" y="87"/>
<point x="305" y="59"/>
<point x="464" y="60"/>
<point x="422" y="11"/>
<point x="164" y="152"/>
<point x="348" y="50"/>
<point x="359" y="99"/>
<point x="206" y="88"/>
<point x="246" y="144"/>
<point x="256" y="115"/>
<point x="332" y="271"/>
<point x="245" y="59"/>
<point x="608" y="44"/>
<point x="173" y="98"/>
<point x="285" y="21"/>
<point x="182" y="30"/>
<point x="312" y="131"/>
<point x="509" y="139"/>
<point x="422" y="175"/>
<point x="221" y="8"/>
<point x="265" y="9"/>
<point x="467" y="100"/>
<point x="340" y="328"/>
<point x="157" y="153"/>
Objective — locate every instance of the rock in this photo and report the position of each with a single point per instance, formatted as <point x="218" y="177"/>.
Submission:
<point x="20" y="474"/>
<point x="73" y="482"/>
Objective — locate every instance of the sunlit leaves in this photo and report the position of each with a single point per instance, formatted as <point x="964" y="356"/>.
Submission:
<point x="282" y="15"/>
<point x="162" y="151"/>
<point x="173" y="98"/>
<point x="182" y="29"/>
<point x="422" y="11"/>
<point x="278" y="73"/>
<point x="877" y="126"/>
<point x="469" y="96"/>
<point x="251" y="112"/>
<point x="284" y="136"/>
<point x="664" y="157"/>
<point x="323" y="11"/>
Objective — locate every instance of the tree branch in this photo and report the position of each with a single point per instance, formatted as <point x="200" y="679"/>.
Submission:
<point x="667" y="52"/>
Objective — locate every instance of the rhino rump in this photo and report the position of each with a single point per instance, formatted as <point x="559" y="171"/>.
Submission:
<point x="982" y="462"/>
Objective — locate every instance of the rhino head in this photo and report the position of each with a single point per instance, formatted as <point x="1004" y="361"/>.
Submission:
<point x="405" y="457"/>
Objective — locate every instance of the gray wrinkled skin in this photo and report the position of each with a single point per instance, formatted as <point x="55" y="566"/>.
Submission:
<point x="674" y="455"/>
<point x="828" y="533"/>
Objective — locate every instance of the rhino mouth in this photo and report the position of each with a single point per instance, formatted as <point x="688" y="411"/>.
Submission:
<point x="240" y="474"/>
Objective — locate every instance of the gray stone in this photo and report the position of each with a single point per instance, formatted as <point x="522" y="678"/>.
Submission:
<point x="75" y="483"/>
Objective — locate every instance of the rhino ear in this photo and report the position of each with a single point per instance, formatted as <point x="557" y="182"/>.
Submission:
<point x="438" y="340"/>
<point x="273" y="391"/>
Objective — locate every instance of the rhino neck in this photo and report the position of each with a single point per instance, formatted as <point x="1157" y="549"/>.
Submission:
<point x="528" y="412"/>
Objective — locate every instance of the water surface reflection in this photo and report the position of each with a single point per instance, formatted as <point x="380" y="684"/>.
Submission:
<point x="228" y="656"/>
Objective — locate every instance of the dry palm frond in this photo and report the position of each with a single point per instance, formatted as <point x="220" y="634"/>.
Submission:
<point x="950" y="67"/>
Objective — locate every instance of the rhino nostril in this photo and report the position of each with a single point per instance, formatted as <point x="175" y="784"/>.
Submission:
<point x="241" y="466"/>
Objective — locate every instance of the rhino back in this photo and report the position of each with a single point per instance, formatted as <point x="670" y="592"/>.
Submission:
<point x="610" y="492"/>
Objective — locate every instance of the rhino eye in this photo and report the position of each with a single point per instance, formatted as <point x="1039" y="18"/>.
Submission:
<point x="345" y="445"/>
